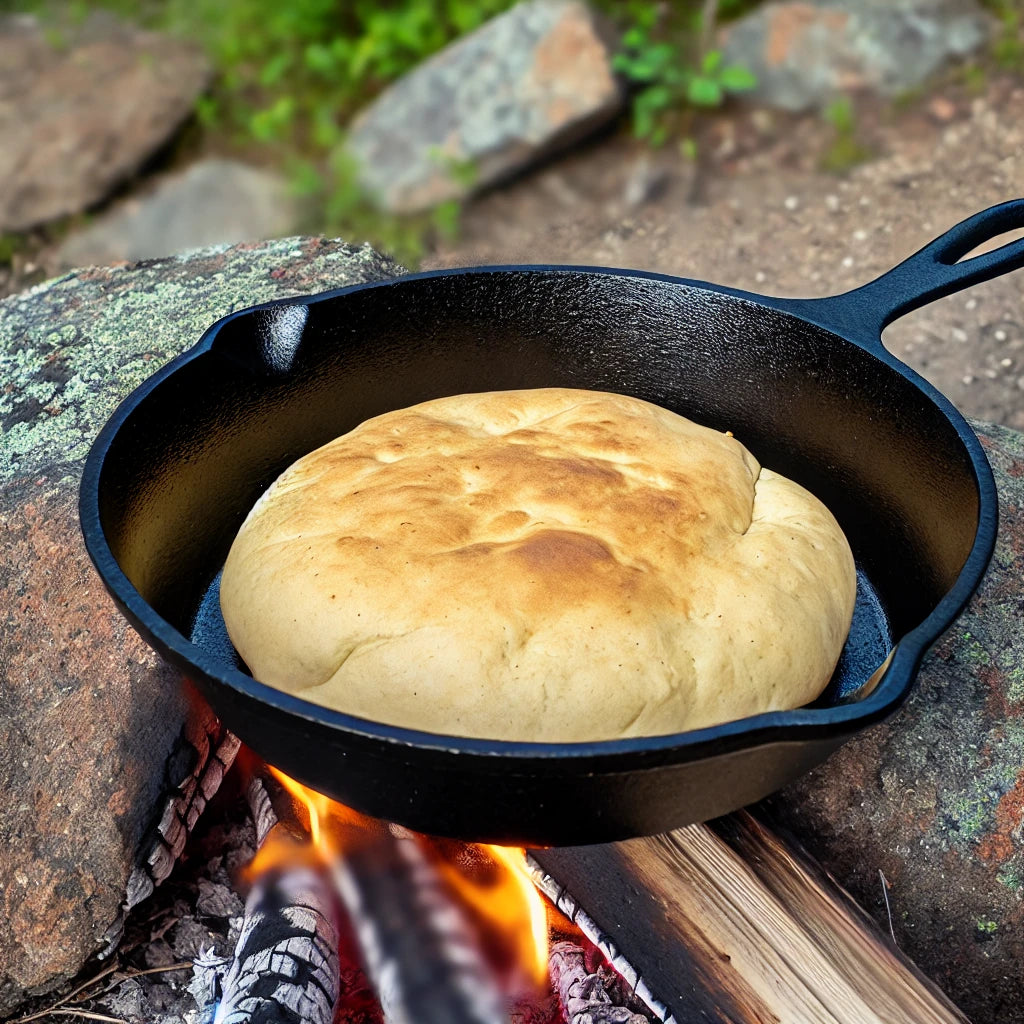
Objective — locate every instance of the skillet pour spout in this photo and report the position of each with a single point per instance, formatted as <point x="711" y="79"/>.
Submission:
<point x="805" y="383"/>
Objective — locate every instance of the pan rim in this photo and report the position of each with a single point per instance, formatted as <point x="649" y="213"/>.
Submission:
<point x="769" y="727"/>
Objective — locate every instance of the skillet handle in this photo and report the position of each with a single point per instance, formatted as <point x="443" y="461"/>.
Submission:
<point x="930" y="274"/>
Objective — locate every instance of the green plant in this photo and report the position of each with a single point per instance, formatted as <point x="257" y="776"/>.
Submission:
<point x="1008" y="44"/>
<point x="294" y="83"/>
<point x="339" y="206"/>
<point x="657" y="60"/>
<point x="10" y="244"/>
<point x="845" y="150"/>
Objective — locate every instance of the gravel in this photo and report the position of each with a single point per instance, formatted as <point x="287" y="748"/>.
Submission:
<point x="767" y="219"/>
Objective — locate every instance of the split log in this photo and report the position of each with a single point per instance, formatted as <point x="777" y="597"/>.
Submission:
<point x="725" y="922"/>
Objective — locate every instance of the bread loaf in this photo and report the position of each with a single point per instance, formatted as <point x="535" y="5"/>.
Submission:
<point x="545" y="565"/>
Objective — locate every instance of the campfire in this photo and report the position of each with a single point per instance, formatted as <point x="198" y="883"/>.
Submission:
<point x="348" y="918"/>
<point x="351" y="918"/>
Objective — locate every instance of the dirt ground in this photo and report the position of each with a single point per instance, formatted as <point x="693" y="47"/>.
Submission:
<point x="759" y="213"/>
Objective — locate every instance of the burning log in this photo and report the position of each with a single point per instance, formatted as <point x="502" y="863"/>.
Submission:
<point x="285" y="967"/>
<point x="725" y="920"/>
<point x="420" y="951"/>
<point x="421" y="954"/>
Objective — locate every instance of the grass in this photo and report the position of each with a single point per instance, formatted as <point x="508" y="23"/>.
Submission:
<point x="846" y="150"/>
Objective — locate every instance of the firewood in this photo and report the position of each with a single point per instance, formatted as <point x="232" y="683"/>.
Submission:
<point x="566" y="903"/>
<point x="420" y="951"/>
<point x="212" y="751"/>
<point x="285" y="965"/>
<point x="729" y="922"/>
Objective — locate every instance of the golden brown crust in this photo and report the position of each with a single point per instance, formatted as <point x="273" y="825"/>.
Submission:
<point x="550" y="565"/>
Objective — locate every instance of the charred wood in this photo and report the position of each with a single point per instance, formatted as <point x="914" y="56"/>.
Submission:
<point x="577" y="915"/>
<point x="285" y="966"/>
<point x="582" y="993"/>
<point x="205" y="753"/>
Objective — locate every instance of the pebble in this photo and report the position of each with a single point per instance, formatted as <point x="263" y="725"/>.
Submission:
<point x="959" y="334"/>
<point x="791" y="202"/>
<point x="942" y="109"/>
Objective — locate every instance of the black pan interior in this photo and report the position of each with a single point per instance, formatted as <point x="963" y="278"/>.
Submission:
<point x="196" y="453"/>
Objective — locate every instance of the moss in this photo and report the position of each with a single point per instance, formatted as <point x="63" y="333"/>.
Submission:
<point x="112" y="328"/>
<point x="973" y="652"/>
<point x="969" y="814"/>
<point x="1012" y="876"/>
<point x="1015" y="684"/>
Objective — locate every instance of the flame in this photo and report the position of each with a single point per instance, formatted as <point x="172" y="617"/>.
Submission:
<point x="491" y="881"/>
<point x="282" y="849"/>
<point x="494" y="885"/>
<point x="316" y="804"/>
<point x="514" y="860"/>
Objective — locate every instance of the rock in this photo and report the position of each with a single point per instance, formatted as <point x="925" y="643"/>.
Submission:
<point x="91" y="722"/>
<point x="528" y="82"/>
<point x="81" y="112"/>
<point x="934" y="798"/>
<point x="214" y="202"/>
<point x="804" y="53"/>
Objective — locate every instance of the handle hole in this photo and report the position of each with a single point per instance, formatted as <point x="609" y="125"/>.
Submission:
<point x="992" y="243"/>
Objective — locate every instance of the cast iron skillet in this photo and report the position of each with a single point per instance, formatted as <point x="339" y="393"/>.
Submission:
<point x="805" y="384"/>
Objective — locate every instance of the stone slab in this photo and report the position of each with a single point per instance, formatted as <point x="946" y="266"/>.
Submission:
<point x="92" y="724"/>
<point x="806" y="53"/>
<point x="213" y="202"/>
<point x="527" y="82"/>
<point x="82" y="108"/>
